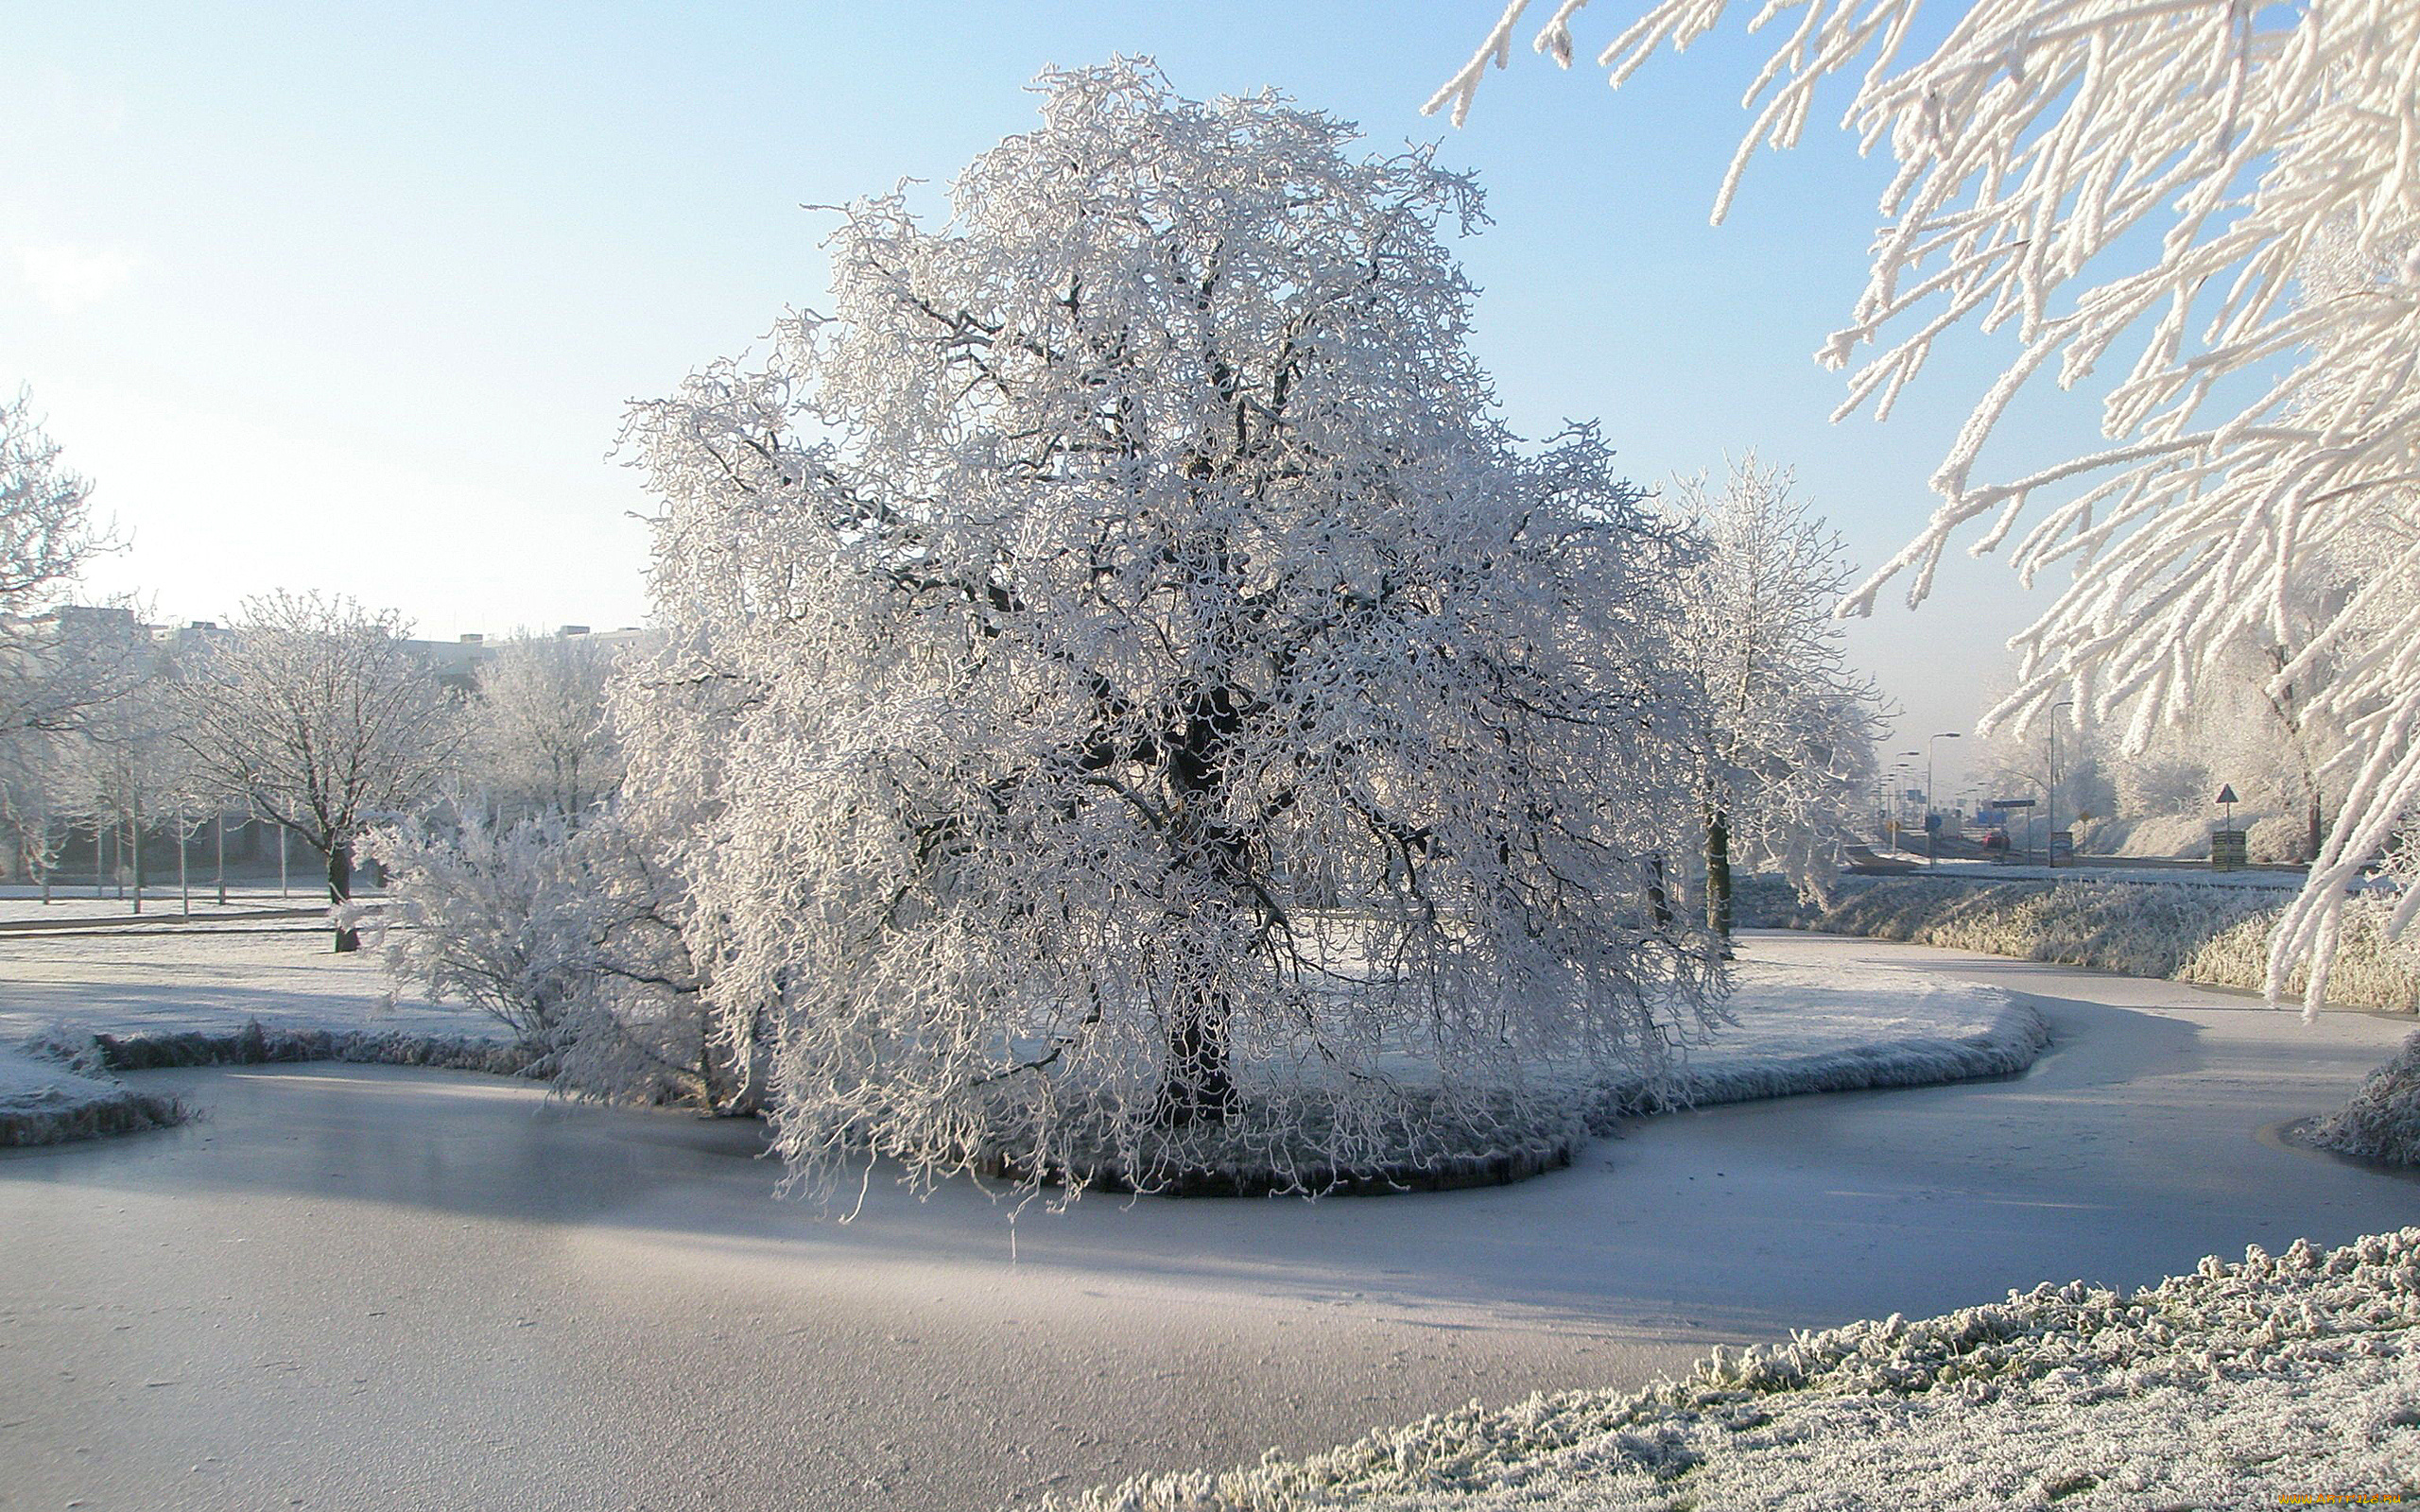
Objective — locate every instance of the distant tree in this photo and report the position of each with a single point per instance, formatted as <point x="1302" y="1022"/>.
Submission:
<point x="1783" y="746"/>
<point x="541" y="735"/>
<point x="56" y="662"/>
<point x="2233" y="186"/>
<point x="59" y="664"/>
<point x="1155" y="709"/>
<point x="46" y="533"/>
<point x="314" y="713"/>
<point x="35" y="805"/>
<point x="123" y="771"/>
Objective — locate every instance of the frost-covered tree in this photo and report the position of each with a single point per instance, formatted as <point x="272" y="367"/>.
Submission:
<point x="1157" y="716"/>
<point x="56" y="662"/>
<point x="47" y="532"/>
<point x="1783" y="746"/>
<point x="541" y="734"/>
<point x="2229" y="188"/>
<point x="123" y="771"/>
<point x="314" y="713"/>
<point x="568" y="935"/>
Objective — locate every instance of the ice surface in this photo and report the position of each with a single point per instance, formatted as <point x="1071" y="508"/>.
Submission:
<point x="371" y="1286"/>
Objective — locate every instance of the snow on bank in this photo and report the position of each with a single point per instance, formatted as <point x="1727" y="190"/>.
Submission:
<point x="1801" y="1024"/>
<point x="74" y="1009"/>
<point x="2237" y="1385"/>
<point x="1798" y="1021"/>
<point x="2179" y="930"/>
<point x="171" y="983"/>
<point x="51" y="1092"/>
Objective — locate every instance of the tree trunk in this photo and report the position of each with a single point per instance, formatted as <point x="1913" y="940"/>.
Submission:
<point x="341" y="893"/>
<point x="1718" y="875"/>
<point x="2318" y="835"/>
<point x="1196" y="1086"/>
<point x="1658" y="902"/>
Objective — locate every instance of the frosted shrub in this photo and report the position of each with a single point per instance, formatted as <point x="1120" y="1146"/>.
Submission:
<point x="1142" y="711"/>
<point x="2382" y="1120"/>
<point x="489" y="915"/>
<point x="573" y="940"/>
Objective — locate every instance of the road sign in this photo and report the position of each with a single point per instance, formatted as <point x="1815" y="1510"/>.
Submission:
<point x="2226" y="792"/>
<point x="2012" y="803"/>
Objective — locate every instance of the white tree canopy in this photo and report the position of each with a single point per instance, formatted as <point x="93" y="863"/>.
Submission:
<point x="2236" y="190"/>
<point x="1161" y="714"/>
<point x="57" y="662"/>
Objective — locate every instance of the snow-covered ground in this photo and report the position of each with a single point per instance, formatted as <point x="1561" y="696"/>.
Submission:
<point x="1805" y="1019"/>
<point x="1797" y="1025"/>
<point x="2236" y="1385"/>
<point x="2275" y="880"/>
<point x="171" y="982"/>
<point x="371" y="1286"/>
<point x="69" y="900"/>
<point x="2177" y="929"/>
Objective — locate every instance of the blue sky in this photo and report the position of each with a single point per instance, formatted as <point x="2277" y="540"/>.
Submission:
<point x="353" y="298"/>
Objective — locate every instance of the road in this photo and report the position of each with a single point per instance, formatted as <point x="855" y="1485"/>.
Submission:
<point x="362" y="1287"/>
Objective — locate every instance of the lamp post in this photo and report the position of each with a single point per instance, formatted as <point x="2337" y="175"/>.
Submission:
<point x="2049" y="851"/>
<point x="1932" y="825"/>
<point x="1897" y="802"/>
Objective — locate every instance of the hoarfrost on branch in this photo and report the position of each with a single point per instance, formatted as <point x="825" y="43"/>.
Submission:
<point x="2233" y="188"/>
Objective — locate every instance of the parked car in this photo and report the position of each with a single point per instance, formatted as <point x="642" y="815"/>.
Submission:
<point x="1994" y="839"/>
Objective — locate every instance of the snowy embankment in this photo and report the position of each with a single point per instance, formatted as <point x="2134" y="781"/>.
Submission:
<point x="143" y="1001"/>
<point x="2237" y="1385"/>
<point x="76" y="1008"/>
<point x="1791" y="1025"/>
<point x="1797" y="1025"/>
<point x="51" y="1092"/>
<point x="2381" y="1121"/>
<point x="2180" y="931"/>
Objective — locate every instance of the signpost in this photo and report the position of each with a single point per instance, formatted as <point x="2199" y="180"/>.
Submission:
<point x="2227" y="850"/>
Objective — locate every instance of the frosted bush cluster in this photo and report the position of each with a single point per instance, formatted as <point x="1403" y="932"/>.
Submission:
<point x="569" y="937"/>
<point x="2381" y="1121"/>
<point x="2225" y="1387"/>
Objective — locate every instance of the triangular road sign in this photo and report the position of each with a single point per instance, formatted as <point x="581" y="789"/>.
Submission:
<point x="2226" y="792"/>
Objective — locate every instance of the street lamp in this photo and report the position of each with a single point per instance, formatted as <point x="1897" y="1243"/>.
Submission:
<point x="1892" y="782"/>
<point x="2049" y="854"/>
<point x="1932" y="826"/>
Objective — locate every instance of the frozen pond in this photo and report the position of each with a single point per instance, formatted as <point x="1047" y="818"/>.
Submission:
<point x="356" y="1286"/>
